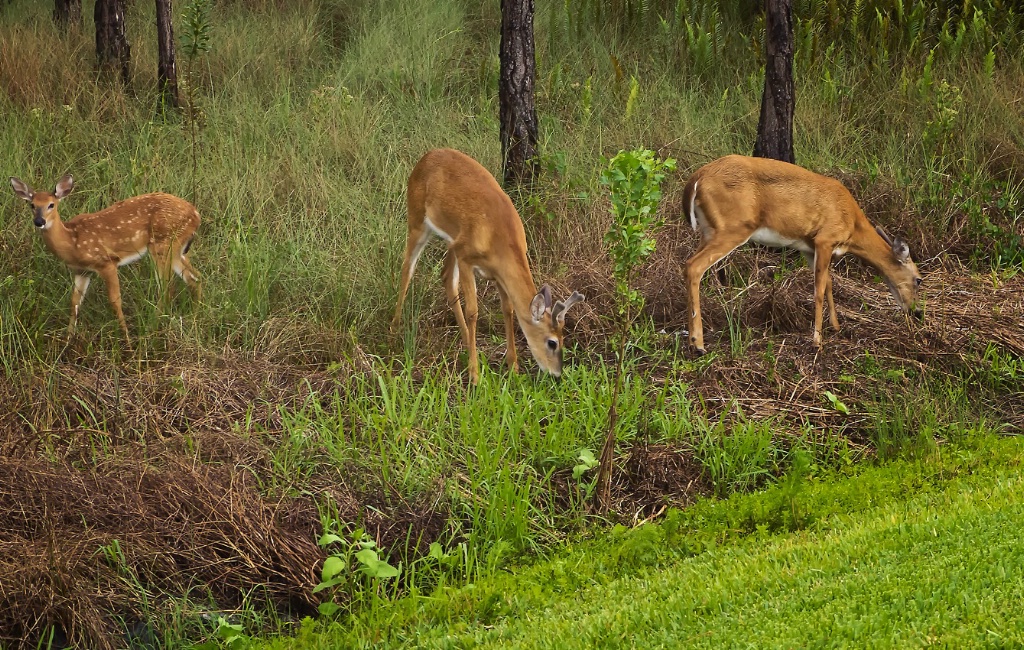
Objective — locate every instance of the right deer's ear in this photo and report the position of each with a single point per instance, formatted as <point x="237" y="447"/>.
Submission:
<point x="64" y="186"/>
<point x="22" y="190"/>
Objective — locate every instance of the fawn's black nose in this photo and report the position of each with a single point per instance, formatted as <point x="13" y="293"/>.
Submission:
<point x="39" y="221"/>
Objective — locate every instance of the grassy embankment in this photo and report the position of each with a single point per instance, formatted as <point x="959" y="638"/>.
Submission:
<point x="282" y="389"/>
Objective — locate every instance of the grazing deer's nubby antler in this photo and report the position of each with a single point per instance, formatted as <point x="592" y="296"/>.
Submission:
<point x="99" y="242"/>
<point x="454" y="197"/>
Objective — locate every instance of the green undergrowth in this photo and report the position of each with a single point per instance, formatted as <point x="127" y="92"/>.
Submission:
<point x="896" y="555"/>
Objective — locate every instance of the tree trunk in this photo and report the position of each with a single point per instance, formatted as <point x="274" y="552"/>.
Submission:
<point x="67" y="12"/>
<point x="166" y="72"/>
<point x="775" y="128"/>
<point x="518" y="111"/>
<point x="112" y="48"/>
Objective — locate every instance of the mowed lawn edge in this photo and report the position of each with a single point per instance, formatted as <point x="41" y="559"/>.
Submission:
<point x="933" y="559"/>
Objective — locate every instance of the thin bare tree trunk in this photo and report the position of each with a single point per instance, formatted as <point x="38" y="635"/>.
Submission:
<point x="518" y="111"/>
<point x="112" y="47"/>
<point x="67" y="12"/>
<point x="775" y="128"/>
<point x="167" y="73"/>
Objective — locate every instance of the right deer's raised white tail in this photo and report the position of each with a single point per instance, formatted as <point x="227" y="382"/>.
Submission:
<point x="99" y="242"/>
<point x="453" y="197"/>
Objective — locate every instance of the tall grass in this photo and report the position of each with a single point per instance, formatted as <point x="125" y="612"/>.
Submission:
<point x="314" y="112"/>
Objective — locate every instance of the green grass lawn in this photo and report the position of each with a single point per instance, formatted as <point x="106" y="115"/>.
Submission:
<point x="930" y="556"/>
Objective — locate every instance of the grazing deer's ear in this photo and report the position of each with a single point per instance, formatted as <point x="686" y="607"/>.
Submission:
<point x="900" y="250"/>
<point x="64" y="186"/>
<point x="558" y="311"/>
<point x="881" y="233"/>
<point x="537" y="307"/>
<point x="22" y="190"/>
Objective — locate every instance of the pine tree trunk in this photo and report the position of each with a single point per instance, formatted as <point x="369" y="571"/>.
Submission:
<point x="112" y="48"/>
<point x="775" y="128"/>
<point x="518" y="111"/>
<point x="166" y="74"/>
<point x="67" y="12"/>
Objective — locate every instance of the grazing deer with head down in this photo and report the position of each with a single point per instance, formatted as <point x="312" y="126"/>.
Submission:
<point x="452" y="196"/>
<point x="737" y="199"/>
<point x="99" y="242"/>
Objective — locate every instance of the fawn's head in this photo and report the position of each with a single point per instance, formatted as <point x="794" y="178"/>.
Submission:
<point x="545" y="328"/>
<point x="902" y="276"/>
<point x="44" y="204"/>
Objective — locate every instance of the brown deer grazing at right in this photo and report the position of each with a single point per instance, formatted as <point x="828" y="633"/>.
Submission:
<point x="737" y="199"/>
<point x="454" y="197"/>
<point x="99" y="242"/>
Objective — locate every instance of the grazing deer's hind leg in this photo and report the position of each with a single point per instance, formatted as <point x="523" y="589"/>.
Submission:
<point x="720" y="245"/>
<point x="414" y="243"/>
<point x="508" y="311"/>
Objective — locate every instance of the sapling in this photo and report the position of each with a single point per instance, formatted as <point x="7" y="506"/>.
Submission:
<point x="634" y="180"/>
<point x="195" y="41"/>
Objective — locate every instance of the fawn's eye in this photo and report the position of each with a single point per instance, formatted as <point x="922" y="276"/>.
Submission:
<point x="49" y="207"/>
<point x="918" y="281"/>
<point x="552" y="344"/>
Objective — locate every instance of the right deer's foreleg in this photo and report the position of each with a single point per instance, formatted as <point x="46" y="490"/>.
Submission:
<point x="81" y="287"/>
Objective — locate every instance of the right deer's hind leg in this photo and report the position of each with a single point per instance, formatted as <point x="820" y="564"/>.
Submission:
<point x="710" y="252"/>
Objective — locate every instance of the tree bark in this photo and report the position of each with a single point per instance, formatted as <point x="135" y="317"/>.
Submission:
<point x="775" y="128"/>
<point x="166" y="72"/>
<point x="67" y="12"/>
<point x="112" y="48"/>
<point x="518" y="111"/>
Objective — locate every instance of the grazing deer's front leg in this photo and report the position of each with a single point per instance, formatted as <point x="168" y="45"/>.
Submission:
<point x="81" y="286"/>
<point x="468" y="283"/>
<point x="109" y="275"/>
<point x="508" y="311"/>
<point x="450" y="279"/>
<point x="712" y="251"/>
<point x="822" y="257"/>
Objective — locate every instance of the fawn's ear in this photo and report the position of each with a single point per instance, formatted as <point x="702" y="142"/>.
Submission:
<point x="64" y="186"/>
<point x="22" y="190"/>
